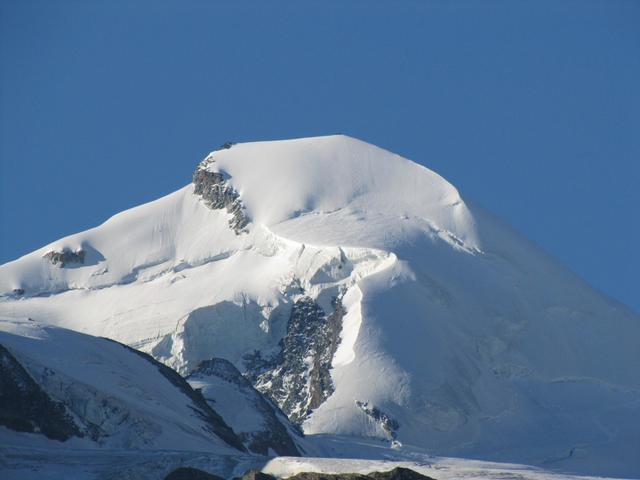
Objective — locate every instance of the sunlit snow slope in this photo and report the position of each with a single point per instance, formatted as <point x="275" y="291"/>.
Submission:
<point x="451" y="331"/>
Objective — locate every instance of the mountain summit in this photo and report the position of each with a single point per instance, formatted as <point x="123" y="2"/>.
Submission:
<point x="363" y="296"/>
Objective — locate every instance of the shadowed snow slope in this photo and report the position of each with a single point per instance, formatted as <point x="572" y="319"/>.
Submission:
<point x="447" y="330"/>
<point x="111" y="395"/>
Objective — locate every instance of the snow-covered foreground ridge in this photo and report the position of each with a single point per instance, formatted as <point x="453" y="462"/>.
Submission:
<point x="77" y="391"/>
<point x="366" y="297"/>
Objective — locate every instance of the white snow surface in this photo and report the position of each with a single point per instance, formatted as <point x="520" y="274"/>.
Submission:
<point x="474" y="340"/>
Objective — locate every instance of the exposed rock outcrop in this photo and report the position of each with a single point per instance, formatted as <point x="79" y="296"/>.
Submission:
<point x="65" y="257"/>
<point x="387" y="423"/>
<point x="398" y="473"/>
<point x="261" y="425"/>
<point x="218" y="193"/>
<point x="298" y="379"/>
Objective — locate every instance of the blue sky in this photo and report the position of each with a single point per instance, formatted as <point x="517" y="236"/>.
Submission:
<point x="532" y="109"/>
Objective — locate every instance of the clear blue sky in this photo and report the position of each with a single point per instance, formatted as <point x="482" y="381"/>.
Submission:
<point x="532" y="109"/>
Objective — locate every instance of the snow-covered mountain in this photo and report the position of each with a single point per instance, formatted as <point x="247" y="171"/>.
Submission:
<point x="363" y="296"/>
<point x="87" y="392"/>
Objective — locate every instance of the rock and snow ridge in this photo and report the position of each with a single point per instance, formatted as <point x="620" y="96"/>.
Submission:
<point x="262" y="426"/>
<point x="87" y="392"/>
<point x="454" y="330"/>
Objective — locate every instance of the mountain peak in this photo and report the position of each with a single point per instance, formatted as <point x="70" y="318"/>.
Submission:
<point x="338" y="189"/>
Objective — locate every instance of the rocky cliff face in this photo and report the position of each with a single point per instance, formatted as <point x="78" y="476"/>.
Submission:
<point x="260" y="424"/>
<point x="298" y="378"/>
<point x="217" y="193"/>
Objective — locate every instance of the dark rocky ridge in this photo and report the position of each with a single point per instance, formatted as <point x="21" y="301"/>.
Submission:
<point x="288" y="379"/>
<point x="217" y="193"/>
<point x="387" y="423"/>
<point x="398" y="473"/>
<point x="274" y="435"/>
<point x="25" y="407"/>
<point x="216" y="424"/>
